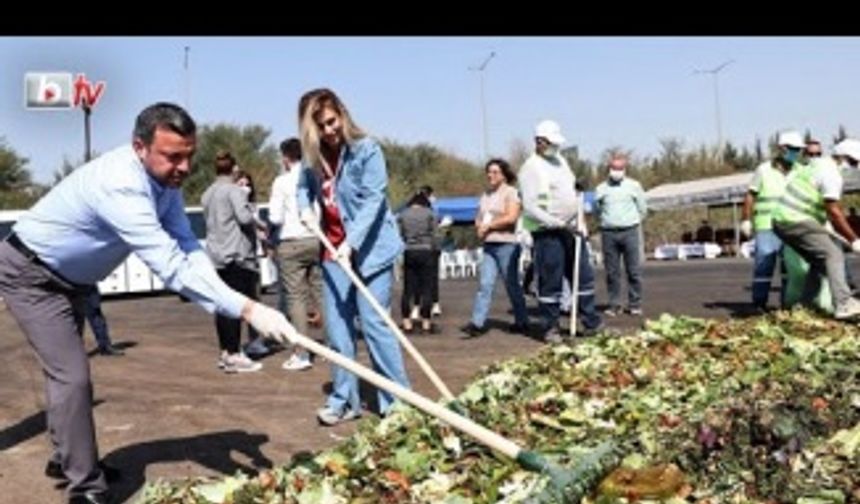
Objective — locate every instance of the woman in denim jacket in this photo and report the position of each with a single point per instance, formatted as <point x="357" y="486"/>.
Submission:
<point x="350" y="185"/>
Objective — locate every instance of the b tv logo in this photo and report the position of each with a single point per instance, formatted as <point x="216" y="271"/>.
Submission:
<point x="57" y="90"/>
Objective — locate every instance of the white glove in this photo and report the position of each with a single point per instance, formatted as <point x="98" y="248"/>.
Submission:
<point x="746" y="228"/>
<point x="343" y="253"/>
<point x="309" y="218"/>
<point x="855" y="246"/>
<point x="271" y="323"/>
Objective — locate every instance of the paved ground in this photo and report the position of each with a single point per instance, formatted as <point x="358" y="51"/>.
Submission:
<point x="164" y="410"/>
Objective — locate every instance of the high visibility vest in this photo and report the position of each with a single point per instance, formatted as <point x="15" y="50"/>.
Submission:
<point x="771" y="190"/>
<point x="802" y="201"/>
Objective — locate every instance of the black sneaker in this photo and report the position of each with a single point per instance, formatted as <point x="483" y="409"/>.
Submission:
<point x="588" y="332"/>
<point x="90" y="498"/>
<point x="518" y="329"/>
<point x="473" y="331"/>
<point x="111" y="351"/>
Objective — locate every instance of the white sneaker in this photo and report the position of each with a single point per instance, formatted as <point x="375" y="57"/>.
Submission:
<point x="329" y="416"/>
<point x="847" y="310"/>
<point x="436" y="311"/>
<point x="240" y="363"/>
<point x="222" y="359"/>
<point x="297" y="362"/>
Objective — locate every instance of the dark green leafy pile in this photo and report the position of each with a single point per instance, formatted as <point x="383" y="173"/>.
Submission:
<point x="755" y="410"/>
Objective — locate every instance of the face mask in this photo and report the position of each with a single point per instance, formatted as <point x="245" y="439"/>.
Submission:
<point x="245" y="189"/>
<point x="550" y="151"/>
<point x="616" y="175"/>
<point x="791" y="155"/>
<point x="844" y="164"/>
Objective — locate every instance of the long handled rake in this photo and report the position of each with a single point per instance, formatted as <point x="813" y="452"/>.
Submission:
<point x="422" y="363"/>
<point x="565" y="485"/>
<point x="577" y="244"/>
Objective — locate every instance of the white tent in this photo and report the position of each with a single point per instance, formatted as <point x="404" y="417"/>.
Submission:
<point x="714" y="191"/>
<point x="720" y="191"/>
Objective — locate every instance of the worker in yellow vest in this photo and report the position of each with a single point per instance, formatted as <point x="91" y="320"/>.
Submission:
<point x="810" y="200"/>
<point x="764" y="193"/>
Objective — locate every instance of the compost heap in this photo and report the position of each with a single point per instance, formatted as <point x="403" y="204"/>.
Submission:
<point x="764" y="409"/>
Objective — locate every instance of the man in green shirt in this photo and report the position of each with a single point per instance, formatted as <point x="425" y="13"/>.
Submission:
<point x="620" y="206"/>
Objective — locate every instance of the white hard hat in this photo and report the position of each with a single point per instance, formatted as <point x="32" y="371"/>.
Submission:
<point x="550" y="130"/>
<point x="791" y="139"/>
<point x="848" y="147"/>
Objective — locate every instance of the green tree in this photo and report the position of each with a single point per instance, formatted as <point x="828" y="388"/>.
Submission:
<point x="412" y="166"/>
<point x="582" y="169"/>
<point x="842" y="134"/>
<point x="17" y="189"/>
<point x="14" y="174"/>
<point x="247" y="144"/>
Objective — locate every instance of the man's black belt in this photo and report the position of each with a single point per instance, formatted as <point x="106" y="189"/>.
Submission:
<point x="625" y="228"/>
<point x="21" y="247"/>
<point x="31" y="256"/>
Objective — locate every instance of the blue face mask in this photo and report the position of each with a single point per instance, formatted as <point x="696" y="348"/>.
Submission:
<point x="791" y="155"/>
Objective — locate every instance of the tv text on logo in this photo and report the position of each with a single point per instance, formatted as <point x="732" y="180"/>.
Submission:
<point x="57" y="90"/>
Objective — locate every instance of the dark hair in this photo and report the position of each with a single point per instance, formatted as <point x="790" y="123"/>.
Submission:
<point x="510" y="176"/>
<point x="419" y="199"/>
<point x="292" y="148"/>
<point x="166" y="116"/>
<point x="224" y="163"/>
<point x="427" y="190"/>
<point x="243" y="174"/>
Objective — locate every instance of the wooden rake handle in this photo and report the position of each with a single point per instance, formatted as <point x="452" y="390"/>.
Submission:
<point x="422" y="363"/>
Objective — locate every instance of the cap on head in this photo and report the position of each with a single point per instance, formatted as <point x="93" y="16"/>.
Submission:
<point x="790" y="139"/>
<point x="550" y="130"/>
<point x="849" y="147"/>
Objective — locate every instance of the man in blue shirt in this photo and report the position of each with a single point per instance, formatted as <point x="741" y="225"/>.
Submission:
<point x="127" y="200"/>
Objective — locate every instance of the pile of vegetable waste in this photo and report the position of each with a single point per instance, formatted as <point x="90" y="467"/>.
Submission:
<point x="758" y="410"/>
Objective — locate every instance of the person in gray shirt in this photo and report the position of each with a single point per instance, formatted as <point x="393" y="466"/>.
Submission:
<point x="418" y="227"/>
<point x="231" y="243"/>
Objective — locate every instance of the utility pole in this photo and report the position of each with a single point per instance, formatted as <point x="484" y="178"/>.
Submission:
<point x="715" y="72"/>
<point x="480" y="69"/>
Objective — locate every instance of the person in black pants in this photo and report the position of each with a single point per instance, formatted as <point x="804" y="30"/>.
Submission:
<point x="418" y="227"/>
<point x="436" y="310"/>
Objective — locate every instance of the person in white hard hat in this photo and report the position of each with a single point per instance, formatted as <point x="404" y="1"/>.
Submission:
<point x="547" y="185"/>
<point x="811" y="199"/>
<point x="765" y="190"/>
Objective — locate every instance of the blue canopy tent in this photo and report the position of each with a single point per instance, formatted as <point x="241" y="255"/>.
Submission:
<point x="462" y="209"/>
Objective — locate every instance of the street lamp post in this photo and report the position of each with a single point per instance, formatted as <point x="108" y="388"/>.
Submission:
<point x="88" y="152"/>
<point x="715" y="72"/>
<point x="480" y="69"/>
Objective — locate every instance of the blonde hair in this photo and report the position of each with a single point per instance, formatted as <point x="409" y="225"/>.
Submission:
<point x="310" y="105"/>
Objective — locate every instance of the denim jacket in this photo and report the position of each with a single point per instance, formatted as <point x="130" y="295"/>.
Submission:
<point x="360" y="194"/>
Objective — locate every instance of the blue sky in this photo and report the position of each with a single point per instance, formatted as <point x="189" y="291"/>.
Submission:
<point x="604" y="91"/>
